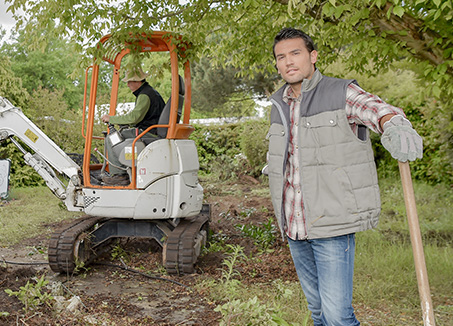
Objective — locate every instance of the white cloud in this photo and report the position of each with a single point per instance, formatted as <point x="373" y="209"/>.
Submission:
<point x="7" y="21"/>
<point x="6" y="18"/>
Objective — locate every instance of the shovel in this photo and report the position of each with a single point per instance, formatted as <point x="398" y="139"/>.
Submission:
<point x="417" y="247"/>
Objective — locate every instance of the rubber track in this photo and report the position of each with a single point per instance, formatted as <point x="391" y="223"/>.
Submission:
<point x="61" y="244"/>
<point x="180" y="255"/>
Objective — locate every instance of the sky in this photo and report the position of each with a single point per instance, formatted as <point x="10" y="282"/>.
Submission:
<point x="6" y="18"/>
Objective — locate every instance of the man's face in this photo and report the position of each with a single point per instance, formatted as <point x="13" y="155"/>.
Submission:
<point x="294" y="62"/>
<point x="134" y="85"/>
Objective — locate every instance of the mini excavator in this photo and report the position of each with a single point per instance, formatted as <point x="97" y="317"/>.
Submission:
<point x="164" y="200"/>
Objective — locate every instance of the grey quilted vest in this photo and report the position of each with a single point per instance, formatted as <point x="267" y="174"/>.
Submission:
<point x="338" y="175"/>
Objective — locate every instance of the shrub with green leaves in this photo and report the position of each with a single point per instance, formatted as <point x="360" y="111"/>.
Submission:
<point x="264" y="235"/>
<point x="218" y="146"/>
<point x="33" y="295"/>
<point x="254" y="144"/>
<point x="231" y="150"/>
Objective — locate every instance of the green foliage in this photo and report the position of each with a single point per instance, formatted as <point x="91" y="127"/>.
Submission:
<point x="233" y="34"/>
<point x="251" y="312"/>
<point x="48" y="69"/>
<point x="33" y="295"/>
<point x="21" y="175"/>
<point x="11" y="85"/>
<point x="218" y="149"/>
<point x="254" y="145"/>
<point x="118" y="252"/>
<point x="218" y="91"/>
<point x="212" y="86"/>
<point x="48" y="110"/>
<point x="236" y="311"/>
<point x="232" y="149"/>
<point x="264" y="235"/>
<point x="235" y="254"/>
<point x="227" y="39"/>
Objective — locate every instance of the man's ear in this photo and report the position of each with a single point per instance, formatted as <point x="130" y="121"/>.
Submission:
<point x="314" y="56"/>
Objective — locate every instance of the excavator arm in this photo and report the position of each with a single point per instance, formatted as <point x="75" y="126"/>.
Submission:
<point x="47" y="157"/>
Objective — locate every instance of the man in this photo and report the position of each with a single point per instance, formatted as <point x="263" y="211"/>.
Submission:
<point x="322" y="176"/>
<point x="148" y="108"/>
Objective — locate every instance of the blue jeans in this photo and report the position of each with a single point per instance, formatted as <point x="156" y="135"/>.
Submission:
<point x="325" y="268"/>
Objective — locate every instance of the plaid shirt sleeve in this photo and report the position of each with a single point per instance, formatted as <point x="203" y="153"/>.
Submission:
<point x="363" y="108"/>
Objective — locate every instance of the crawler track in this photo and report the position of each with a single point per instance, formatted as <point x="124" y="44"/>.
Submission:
<point x="64" y="245"/>
<point x="84" y="239"/>
<point x="181" y="253"/>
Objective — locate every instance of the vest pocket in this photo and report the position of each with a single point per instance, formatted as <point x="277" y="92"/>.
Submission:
<point x="332" y="197"/>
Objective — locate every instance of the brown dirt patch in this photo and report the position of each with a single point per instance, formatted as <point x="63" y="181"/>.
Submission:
<point x="114" y="296"/>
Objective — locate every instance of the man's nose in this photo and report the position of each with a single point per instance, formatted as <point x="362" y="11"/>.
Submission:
<point x="289" y="61"/>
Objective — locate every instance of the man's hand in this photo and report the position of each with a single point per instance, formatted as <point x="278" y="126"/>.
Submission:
<point x="105" y="118"/>
<point x="401" y="140"/>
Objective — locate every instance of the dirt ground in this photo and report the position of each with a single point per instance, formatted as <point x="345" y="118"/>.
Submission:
<point x="112" y="295"/>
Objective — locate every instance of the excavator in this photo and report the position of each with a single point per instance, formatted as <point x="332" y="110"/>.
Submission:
<point x="164" y="200"/>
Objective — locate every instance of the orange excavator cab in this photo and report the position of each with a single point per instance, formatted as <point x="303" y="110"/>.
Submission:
<point x="164" y="200"/>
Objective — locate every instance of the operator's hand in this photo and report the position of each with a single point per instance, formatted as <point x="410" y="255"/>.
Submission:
<point x="105" y="118"/>
<point x="401" y="140"/>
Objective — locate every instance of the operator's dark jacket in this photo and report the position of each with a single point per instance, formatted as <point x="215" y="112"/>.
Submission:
<point x="155" y="109"/>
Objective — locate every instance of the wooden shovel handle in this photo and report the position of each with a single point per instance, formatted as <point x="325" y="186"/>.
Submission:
<point x="417" y="246"/>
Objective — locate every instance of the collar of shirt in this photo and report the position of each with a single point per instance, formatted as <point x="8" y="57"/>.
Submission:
<point x="289" y="96"/>
<point x="307" y="85"/>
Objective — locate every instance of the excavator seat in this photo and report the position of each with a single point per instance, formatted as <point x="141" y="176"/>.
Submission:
<point x="165" y="115"/>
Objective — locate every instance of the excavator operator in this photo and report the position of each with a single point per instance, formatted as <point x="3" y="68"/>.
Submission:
<point x="148" y="108"/>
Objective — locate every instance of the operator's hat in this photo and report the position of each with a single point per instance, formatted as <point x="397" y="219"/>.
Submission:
<point x="135" y="75"/>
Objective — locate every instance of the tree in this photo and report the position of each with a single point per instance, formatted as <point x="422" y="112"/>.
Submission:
<point x="49" y="68"/>
<point x="239" y="31"/>
<point x="217" y="92"/>
<point x="368" y="34"/>
<point x="11" y="85"/>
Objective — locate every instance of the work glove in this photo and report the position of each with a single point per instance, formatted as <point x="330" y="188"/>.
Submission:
<point x="401" y="140"/>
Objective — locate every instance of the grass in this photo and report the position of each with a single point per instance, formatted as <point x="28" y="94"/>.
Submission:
<point x="28" y="212"/>
<point x="385" y="285"/>
<point x="385" y="277"/>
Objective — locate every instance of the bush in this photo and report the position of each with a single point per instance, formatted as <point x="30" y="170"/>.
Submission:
<point x="231" y="150"/>
<point x="218" y="149"/>
<point x="49" y="112"/>
<point x="254" y="144"/>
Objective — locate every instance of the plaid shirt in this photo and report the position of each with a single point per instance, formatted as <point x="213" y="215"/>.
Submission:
<point x="362" y="108"/>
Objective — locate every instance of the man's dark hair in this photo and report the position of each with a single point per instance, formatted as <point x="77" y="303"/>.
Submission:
<point x="290" y="33"/>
